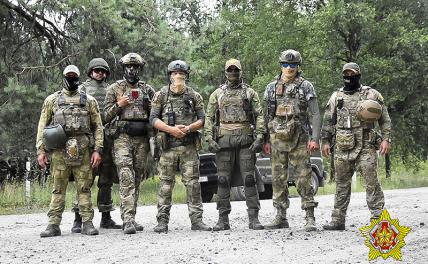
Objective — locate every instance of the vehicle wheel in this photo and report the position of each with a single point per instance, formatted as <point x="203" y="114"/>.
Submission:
<point x="267" y="194"/>
<point x="315" y="182"/>
<point x="238" y="193"/>
<point x="207" y="196"/>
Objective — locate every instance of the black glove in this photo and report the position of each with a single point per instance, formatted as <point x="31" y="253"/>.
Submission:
<point x="213" y="146"/>
<point x="257" y="145"/>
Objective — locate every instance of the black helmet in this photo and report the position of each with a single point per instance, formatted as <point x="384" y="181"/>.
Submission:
<point x="178" y="65"/>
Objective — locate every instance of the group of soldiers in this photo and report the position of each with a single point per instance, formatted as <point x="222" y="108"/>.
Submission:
<point x="82" y="141"/>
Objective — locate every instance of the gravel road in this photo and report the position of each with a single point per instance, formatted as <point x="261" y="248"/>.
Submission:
<point x="20" y="241"/>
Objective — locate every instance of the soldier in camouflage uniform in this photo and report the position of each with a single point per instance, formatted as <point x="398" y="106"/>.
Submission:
<point x="350" y="124"/>
<point x="178" y="114"/>
<point x="76" y="118"/>
<point x="291" y="103"/>
<point x="239" y="113"/>
<point x="127" y="107"/>
<point x="96" y="85"/>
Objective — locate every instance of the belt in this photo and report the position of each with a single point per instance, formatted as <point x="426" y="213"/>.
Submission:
<point x="236" y="132"/>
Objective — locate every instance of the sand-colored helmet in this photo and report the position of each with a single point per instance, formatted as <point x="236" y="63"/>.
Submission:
<point x="369" y="110"/>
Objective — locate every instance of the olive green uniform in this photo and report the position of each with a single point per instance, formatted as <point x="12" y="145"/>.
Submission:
<point x="178" y="154"/>
<point x="355" y="147"/>
<point x="239" y="115"/>
<point x="131" y="132"/>
<point x="79" y="115"/>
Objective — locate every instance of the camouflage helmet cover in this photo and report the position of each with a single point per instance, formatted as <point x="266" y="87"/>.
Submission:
<point x="71" y="68"/>
<point x="351" y="66"/>
<point x="98" y="63"/>
<point x="290" y="56"/>
<point x="132" y="58"/>
<point x="178" y="65"/>
<point x="369" y="110"/>
<point x="233" y="62"/>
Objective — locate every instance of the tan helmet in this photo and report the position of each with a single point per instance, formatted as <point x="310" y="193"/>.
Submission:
<point x="233" y="62"/>
<point x="132" y="58"/>
<point x="369" y="110"/>
<point x="351" y="66"/>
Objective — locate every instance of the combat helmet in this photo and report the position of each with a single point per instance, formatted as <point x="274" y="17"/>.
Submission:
<point x="132" y="58"/>
<point x="178" y="65"/>
<point x="98" y="63"/>
<point x="54" y="137"/>
<point x="369" y="110"/>
<point x="290" y="56"/>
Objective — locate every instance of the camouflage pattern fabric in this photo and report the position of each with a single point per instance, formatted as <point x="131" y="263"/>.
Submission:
<point x="299" y="158"/>
<point x="185" y="160"/>
<point x="355" y="148"/>
<point x="130" y="157"/>
<point x="60" y="168"/>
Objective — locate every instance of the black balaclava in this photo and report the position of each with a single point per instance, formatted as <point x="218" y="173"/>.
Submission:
<point x="352" y="83"/>
<point x="71" y="83"/>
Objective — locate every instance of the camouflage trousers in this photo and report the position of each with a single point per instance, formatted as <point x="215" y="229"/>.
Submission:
<point x="130" y="158"/>
<point x="107" y="174"/>
<point x="83" y="176"/>
<point x="184" y="159"/>
<point x="366" y="164"/>
<point x="299" y="159"/>
<point x="236" y="156"/>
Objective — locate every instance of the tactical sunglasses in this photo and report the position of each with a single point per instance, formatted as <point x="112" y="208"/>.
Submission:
<point x="100" y="70"/>
<point x="291" y="65"/>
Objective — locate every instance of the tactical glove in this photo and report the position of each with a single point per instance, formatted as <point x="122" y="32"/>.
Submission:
<point x="257" y="145"/>
<point x="213" y="146"/>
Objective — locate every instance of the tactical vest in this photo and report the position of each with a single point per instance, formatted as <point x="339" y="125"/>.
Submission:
<point x="140" y="101"/>
<point x="95" y="89"/>
<point x="349" y="130"/>
<point x="72" y="114"/>
<point x="183" y="106"/>
<point x="290" y="102"/>
<point x="232" y="105"/>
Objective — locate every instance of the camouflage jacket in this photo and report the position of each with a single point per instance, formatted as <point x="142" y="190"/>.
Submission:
<point x="49" y="108"/>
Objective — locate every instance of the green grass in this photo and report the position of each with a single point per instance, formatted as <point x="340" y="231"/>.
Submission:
<point x="13" y="201"/>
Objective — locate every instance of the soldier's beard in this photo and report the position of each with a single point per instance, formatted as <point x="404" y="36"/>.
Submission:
<point x="178" y="83"/>
<point x="288" y="74"/>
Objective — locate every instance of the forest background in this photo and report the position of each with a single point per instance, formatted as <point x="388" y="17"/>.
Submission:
<point x="387" y="38"/>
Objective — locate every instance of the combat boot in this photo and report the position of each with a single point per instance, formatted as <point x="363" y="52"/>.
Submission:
<point x="253" y="217"/>
<point x="77" y="224"/>
<point x="137" y="226"/>
<point x="89" y="229"/>
<point x="51" y="230"/>
<point x="280" y="220"/>
<point x="334" y="225"/>
<point x="107" y="222"/>
<point x="129" y="228"/>
<point x="162" y="226"/>
<point x="310" y="220"/>
<point x="222" y="223"/>
<point x="201" y="226"/>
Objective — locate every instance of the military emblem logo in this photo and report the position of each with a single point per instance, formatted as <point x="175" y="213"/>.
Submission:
<point x="384" y="237"/>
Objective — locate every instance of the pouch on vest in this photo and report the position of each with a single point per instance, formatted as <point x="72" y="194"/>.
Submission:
<point x="73" y="152"/>
<point x="284" y="110"/>
<point x="345" y="139"/>
<point x="135" y="129"/>
<point x="285" y="131"/>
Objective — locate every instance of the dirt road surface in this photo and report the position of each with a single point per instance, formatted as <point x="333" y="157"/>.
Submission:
<point x="20" y="241"/>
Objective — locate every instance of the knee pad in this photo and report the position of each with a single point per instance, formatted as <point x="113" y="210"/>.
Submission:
<point x="250" y="181"/>
<point x="222" y="181"/>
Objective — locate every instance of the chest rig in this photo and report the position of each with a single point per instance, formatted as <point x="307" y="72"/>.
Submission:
<point x="234" y="105"/>
<point x="349" y="129"/>
<point x="96" y="90"/>
<point x="72" y="114"/>
<point x="178" y="109"/>
<point x="140" y="102"/>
